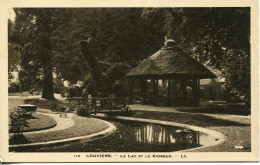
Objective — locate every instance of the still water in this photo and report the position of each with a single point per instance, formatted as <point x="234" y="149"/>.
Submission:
<point x="131" y="137"/>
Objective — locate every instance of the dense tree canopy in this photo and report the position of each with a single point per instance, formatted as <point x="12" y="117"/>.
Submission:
<point x="219" y="37"/>
<point x="49" y="40"/>
<point x="31" y="34"/>
<point x="13" y="59"/>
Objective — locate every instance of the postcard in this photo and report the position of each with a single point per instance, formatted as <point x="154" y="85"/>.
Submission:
<point x="129" y="81"/>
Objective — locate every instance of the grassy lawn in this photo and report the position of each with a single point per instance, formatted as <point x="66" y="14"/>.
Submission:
<point x="83" y="126"/>
<point x="14" y="102"/>
<point x="185" y="118"/>
<point x="219" y="109"/>
<point x="236" y="136"/>
<point x="237" y="132"/>
<point x="40" y="122"/>
<point x="46" y="104"/>
<point x="37" y="122"/>
<point x="236" y="129"/>
<point x="19" y="94"/>
<point x="40" y="103"/>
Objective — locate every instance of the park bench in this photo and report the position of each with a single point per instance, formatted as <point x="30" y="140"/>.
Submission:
<point x="63" y="112"/>
<point x="28" y="107"/>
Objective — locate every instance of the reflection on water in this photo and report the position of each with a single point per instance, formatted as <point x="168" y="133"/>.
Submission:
<point x="163" y="135"/>
<point x="130" y="136"/>
<point x="154" y="134"/>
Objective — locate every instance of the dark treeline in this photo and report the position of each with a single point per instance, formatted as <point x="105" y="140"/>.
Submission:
<point x="119" y="38"/>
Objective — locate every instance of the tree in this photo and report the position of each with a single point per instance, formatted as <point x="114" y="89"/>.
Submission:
<point x="49" y="40"/>
<point x="113" y="36"/>
<point x="43" y="22"/>
<point x="117" y="79"/>
<point x="13" y="59"/>
<point x="31" y="33"/>
<point x="13" y="54"/>
<point x="97" y="77"/>
<point x="215" y="36"/>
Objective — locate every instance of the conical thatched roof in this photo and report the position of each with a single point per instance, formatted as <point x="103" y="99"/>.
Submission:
<point x="171" y="61"/>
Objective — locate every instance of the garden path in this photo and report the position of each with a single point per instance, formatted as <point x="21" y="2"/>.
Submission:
<point x="231" y="117"/>
<point x="57" y="96"/>
<point x="62" y="123"/>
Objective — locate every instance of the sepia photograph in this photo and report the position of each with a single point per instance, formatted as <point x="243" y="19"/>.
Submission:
<point x="129" y="83"/>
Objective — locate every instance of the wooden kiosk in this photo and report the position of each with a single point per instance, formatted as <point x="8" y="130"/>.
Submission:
<point x="169" y="77"/>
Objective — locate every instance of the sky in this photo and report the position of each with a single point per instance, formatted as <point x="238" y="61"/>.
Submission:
<point x="11" y="14"/>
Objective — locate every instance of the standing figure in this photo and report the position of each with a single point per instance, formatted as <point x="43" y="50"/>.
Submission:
<point x="84" y="93"/>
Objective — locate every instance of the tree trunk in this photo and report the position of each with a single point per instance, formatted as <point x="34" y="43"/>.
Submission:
<point x="93" y="67"/>
<point x="43" y="24"/>
<point x="48" y="81"/>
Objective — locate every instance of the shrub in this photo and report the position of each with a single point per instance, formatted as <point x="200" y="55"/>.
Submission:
<point x="14" y="87"/>
<point x="17" y="122"/>
<point x="119" y="89"/>
<point x="118" y="71"/>
<point x="57" y="85"/>
<point x="54" y="106"/>
<point x="83" y="110"/>
<point x="74" y="91"/>
<point x="18" y="139"/>
<point x="104" y="66"/>
<point x="62" y="92"/>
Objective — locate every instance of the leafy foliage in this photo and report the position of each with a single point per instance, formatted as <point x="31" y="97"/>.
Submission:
<point x="74" y="91"/>
<point x="128" y="35"/>
<point x="57" y="85"/>
<point x="30" y="34"/>
<point x="17" y="139"/>
<point x="215" y="36"/>
<point x="116" y="76"/>
<point x="13" y="58"/>
<point x="118" y="71"/>
<point x="84" y="110"/>
<point x="18" y="120"/>
<point x="14" y="87"/>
